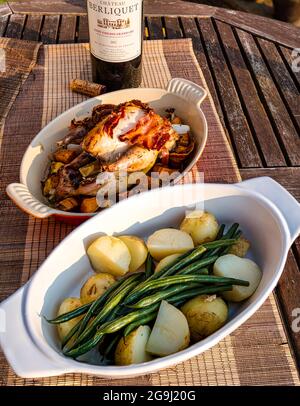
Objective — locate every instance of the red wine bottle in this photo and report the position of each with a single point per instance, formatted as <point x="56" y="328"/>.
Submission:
<point x="116" y="36"/>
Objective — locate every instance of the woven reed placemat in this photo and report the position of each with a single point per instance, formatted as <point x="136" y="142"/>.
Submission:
<point x="255" y="354"/>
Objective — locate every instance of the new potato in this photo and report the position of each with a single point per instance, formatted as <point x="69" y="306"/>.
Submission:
<point x="69" y="304"/>
<point x="202" y="226"/>
<point x="205" y="314"/>
<point x="168" y="241"/>
<point x="138" y="251"/>
<point x="170" y="332"/>
<point x="132" y="349"/>
<point x="109" y="254"/>
<point x="232" y="266"/>
<point x="95" y="286"/>
<point x="166" y="261"/>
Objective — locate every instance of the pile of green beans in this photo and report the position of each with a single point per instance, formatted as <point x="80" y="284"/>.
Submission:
<point x="134" y="300"/>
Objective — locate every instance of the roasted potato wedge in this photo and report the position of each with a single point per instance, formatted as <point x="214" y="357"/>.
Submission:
<point x="132" y="349"/>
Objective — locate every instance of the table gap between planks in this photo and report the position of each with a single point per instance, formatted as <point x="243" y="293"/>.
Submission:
<point x="247" y="63"/>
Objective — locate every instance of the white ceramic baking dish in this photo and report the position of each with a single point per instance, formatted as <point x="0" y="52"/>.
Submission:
<point x="183" y="95"/>
<point x="268" y="215"/>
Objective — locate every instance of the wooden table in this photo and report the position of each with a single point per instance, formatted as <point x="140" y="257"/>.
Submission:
<point x="247" y="63"/>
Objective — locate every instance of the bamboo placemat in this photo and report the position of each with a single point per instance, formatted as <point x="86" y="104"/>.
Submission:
<point x="255" y="354"/>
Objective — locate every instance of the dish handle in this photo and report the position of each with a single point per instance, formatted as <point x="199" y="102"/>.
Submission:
<point x="282" y="199"/>
<point x="188" y="90"/>
<point x="20" y="195"/>
<point x="22" y="354"/>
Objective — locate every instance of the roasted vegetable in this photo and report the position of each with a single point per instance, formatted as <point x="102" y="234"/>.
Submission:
<point x="50" y="185"/>
<point x="64" y="155"/>
<point x="90" y="169"/>
<point x="168" y="241"/>
<point x="89" y="205"/>
<point x="68" y="204"/>
<point x="205" y="314"/>
<point x="137" y="249"/>
<point x="202" y="226"/>
<point x="236" y="267"/>
<point x="132" y="349"/>
<point x="95" y="286"/>
<point x="109" y="254"/>
<point x="55" y="167"/>
<point x="170" y="332"/>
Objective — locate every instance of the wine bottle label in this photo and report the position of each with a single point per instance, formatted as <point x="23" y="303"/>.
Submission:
<point x="115" y="29"/>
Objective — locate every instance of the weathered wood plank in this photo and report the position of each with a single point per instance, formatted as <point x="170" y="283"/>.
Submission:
<point x="15" y="26"/>
<point x="190" y="30"/>
<point x="45" y="7"/>
<point x="235" y="119"/>
<point x="285" y="83"/>
<point x="275" y="30"/>
<point x="78" y="7"/>
<point x="5" y="10"/>
<point x="67" y="30"/>
<point x="292" y="58"/>
<point x="287" y="290"/>
<point x="32" y="28"/>
<point x="50" y="30"/>
<point x="287" y="177"/>
<point x="173" y="29"/>
<point x="155" y="28"/>
<point x="263" y="130"/>
<point x="3" y="25"/>
<point x="83" y="29"/>
<point x="277" y="111"/>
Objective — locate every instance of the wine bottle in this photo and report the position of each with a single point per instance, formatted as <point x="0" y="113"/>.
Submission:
<point x="116" y="36"/>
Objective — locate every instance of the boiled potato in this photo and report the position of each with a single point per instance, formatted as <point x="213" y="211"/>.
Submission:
<point x="110" y="255"/>
<point x="168" y="241"/>
<point x="205" y="314"/>
<point x="170" y="332"/>
<point x="95" y="286"/>
<point x="202" y="226"/>
<point x="137" y="249"/>
<point x="132" y="349"/>
<point x="232" y="266"/>
<point x="240" y="248"/>
<point x="166" y="261"/>
<point x="69" y="304"/>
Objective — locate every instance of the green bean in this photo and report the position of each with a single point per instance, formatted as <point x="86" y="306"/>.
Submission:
<point x="111" y="291"/>
<point x="175" y="279"/>
<point x="218" y="244"/>
<point x="70" y="315"/>
<point x="183" y="260"/>
<point x="163" y="295"/>
<point x="149" y="266"/>
<point x="182" y="297"/>
<point x="88" y="308"/>
<point x="110" y="305"/>
<point x="70" y="334"/>
<point x="141" y="322"/>
<point x="111" y="345"/>
<point x="196" y="266"/>
<point x="109" y="328"/>
<point x="220" y="232"/>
